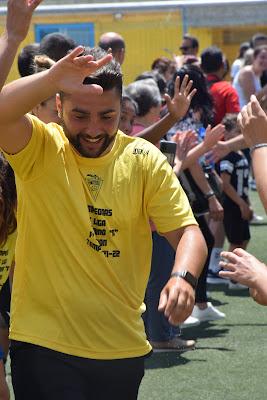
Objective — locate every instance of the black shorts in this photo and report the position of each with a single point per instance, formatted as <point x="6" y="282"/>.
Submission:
<point x="236" y="228"/>
<point x="39" y="373"/>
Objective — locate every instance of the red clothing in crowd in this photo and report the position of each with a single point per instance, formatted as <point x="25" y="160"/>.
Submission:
<point x="225" y="97"/>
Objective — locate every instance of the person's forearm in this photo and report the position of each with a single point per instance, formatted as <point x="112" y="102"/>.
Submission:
<point x="155" y="132"/>
<point x="191" y="252"/>
<point x="199" y="178"/>
<point x="193" y="155"/>
<point x="20" y="96"/>
<point x="237" y="143"/>
<point x="259" y="162"/>
<point x="232" y="193"/>
<point x="8" y="49"/>
<point x="18" y="19"/>
<point x="177" y="166"/>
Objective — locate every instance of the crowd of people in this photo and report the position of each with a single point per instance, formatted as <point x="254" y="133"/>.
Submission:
<point x="115" y="202"/>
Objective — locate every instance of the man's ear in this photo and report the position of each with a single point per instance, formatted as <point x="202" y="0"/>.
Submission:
<point x="35" y="110"/>
<point x="121" y="56"/>
<point x="59" y="105"/>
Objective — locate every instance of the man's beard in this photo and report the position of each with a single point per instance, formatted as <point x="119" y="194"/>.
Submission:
<point x="76" y="143"/>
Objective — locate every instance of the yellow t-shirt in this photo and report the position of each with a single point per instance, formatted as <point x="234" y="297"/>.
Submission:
<point x="84" y="242"/>
<point x="7" y="254"/>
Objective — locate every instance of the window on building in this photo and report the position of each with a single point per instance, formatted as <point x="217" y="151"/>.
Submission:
<point x="82" y="33"/>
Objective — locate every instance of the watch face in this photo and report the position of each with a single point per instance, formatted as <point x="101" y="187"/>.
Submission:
<point x="190" y="278"/>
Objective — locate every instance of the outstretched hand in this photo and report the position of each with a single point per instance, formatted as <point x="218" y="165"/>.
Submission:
<point x="179" y="104"/>
<point x="185" y="141"/>
<point x="219" y="151"/>
<point x="253" y="122"/>
<point x="69" y="73"/>
<point x="19" y="14"/>
<point x="213" y="135"/>
<point x="242" y="267"/>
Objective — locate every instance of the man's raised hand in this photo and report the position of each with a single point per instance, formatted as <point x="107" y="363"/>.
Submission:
<point x="19" y="15"/>
<point x="69" y="73"/>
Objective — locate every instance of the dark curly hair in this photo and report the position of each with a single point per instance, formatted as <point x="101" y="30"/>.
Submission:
<point x="8" y="201"/>
<point x="202" y="100"/>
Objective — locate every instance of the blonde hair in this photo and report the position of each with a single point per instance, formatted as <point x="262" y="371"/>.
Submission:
<point x="42" y="63"/>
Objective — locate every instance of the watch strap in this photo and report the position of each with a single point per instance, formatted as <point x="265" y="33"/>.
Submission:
<point x="187" y="276"/>
<point x="209" y="194"/>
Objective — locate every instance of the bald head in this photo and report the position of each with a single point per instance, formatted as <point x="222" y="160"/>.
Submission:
<point x="115" y="42"/>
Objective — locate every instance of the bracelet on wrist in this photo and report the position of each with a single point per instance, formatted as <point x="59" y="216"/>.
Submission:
<point x="257" y="146"/>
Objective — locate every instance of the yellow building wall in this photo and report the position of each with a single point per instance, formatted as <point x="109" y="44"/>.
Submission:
<point x="147" y="36"/>
<point x="204" y="36"/>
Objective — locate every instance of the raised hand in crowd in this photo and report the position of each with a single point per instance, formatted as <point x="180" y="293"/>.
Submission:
<point x="177" y="108"/>
<point x="19" y="14"/>
<point x="253" y="123"/>
<point x="185" y="142"/>
<point x="213" y="136"/>
<point x="183" y="94"/>
<point x="221" y="149"/>
<point x="244" y="268"/>
<point x="19" y="17"/>
<point x="196" y="150"/>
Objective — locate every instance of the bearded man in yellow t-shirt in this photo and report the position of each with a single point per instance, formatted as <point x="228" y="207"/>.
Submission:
<point x="86" y="193"/>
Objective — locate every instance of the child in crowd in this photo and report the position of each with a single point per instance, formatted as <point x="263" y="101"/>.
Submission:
<point x="234" y="170"/>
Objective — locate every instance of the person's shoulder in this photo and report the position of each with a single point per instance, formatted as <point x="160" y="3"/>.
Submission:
<point x="51" y="130"/>
<point x="222" y="88"/>
<point x="136" y="142"/>
<point x="245" y="72"/>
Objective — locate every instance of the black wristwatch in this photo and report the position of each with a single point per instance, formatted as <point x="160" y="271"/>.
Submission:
<point x="187" y="276"/>
<point x="209" y="194"/>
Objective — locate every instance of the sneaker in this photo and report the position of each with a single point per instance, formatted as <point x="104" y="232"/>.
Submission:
<point x="236" y="286"/>
<point x="252" y="184"/>
<point x="215" y="258"/>
<point x="175" y="344"/>
<point x="189" y="322"/>
<point x="215" y="279"/>
<point x="208" y="314"/>
<point x="256" y="219"/>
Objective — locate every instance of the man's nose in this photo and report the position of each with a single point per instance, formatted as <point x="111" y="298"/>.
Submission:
<point x="92" y="129"/>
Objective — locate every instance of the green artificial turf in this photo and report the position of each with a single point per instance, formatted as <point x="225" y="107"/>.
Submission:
<point x="230" y="360"/>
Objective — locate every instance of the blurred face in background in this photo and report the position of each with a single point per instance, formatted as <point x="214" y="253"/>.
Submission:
<point x="154" y="114"/>
<point x="128" y="114"/>
<point x="186" y="47"/>
<point x="260" y="61"/>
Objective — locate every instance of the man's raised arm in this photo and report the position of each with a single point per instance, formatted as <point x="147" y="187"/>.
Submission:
<point x="19" y="97"/>
<point x="19" y="14"/>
